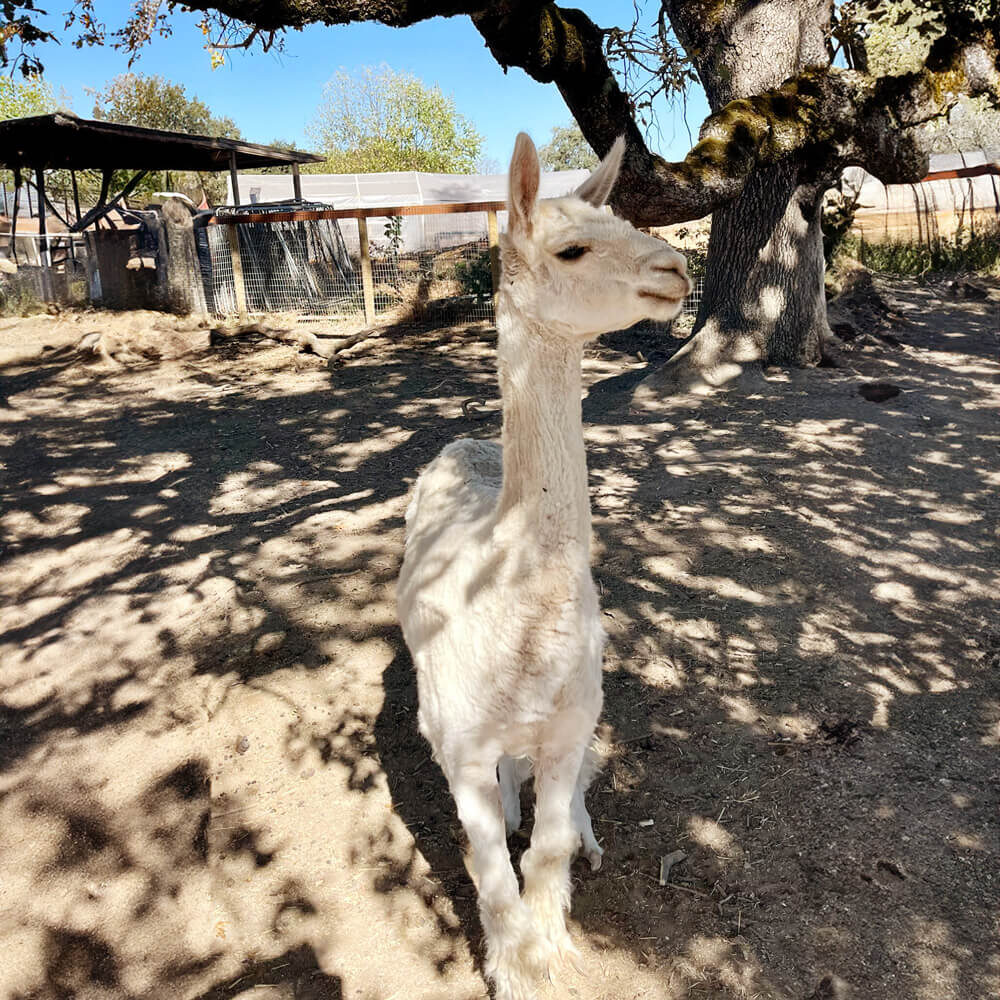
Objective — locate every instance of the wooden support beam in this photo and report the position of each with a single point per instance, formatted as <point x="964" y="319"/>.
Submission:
<point x="43" y="236"/>
<point x="494" y="236"/>
<point x="42" y="225"/>
<point x="239" y="282"/>
<point x="76" y="194"/>
<point x="234" y="178"/>
<point x="13" y="214"/>
<point x="101" y="209"/>
<point x="367" y="282"/>
<point x="296" y="182"/>
<point x="383" y="211"/>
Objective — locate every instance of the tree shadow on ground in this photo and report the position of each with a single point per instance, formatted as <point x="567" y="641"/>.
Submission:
<point x="801" y="679"/>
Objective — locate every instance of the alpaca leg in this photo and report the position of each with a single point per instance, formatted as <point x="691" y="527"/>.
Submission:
<point x="554" y="840"/>
<point x="592" y="851"/>
<point x="510" y="793"/>
<point x="515" y="955"/>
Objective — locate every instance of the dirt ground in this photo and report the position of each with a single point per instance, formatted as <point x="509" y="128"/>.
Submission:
<point x="211" y="784"/>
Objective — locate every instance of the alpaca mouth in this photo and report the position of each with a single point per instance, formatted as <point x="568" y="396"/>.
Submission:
<point x="675" y="288"/>
<point x="657" y="297"/>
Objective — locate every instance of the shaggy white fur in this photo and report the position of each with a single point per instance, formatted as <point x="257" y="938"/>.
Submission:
<point x="495" y="596"/>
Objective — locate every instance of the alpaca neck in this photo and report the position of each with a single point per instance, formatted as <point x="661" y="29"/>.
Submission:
<point x="544" y="495"/>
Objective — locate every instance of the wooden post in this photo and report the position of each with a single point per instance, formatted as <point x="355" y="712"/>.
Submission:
<point x="43" y="236"/>
<point x="494" y="235"/>
<point x="42" y="225"/>
<point x="296" y="182"/>
<point x="234" y="177"/>
<point x="238" y="281"/>
<point x="180" y="281"/>
<point x="367" y="283"/>
<point x="76" y="195"/>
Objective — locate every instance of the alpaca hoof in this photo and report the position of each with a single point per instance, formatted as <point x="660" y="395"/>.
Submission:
<point x="563" y="954"/>
<point x="517" y="955"/>
<point x="595" y="857"/>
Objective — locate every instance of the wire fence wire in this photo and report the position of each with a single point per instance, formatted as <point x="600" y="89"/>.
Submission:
<point x="437" y="268"/>
<point x="314" y="268"/>
<point x="63" y="281"/>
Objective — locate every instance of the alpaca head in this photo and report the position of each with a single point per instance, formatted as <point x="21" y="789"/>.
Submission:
<point x="574" y="268"/>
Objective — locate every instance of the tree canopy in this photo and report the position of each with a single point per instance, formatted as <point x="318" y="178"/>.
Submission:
<point x="797" y="89"/>
<point x="21" y="98"/>
<point x="378" y="119"/>
<point x="871" y="112"/>
<point x="153" y="102"/>
<point x="567" y="150"/>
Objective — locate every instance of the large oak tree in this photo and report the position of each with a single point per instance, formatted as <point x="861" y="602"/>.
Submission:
<point x="798" y="89"/>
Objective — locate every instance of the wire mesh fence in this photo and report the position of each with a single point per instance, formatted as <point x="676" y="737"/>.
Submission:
<point x="316" y="266"/>
<point x="50" y="268"/>
<point x="434" y="263"/>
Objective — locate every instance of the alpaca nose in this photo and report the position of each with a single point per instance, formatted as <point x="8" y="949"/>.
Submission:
<point x="670" y="267"/>
<point x="670" y="260"/>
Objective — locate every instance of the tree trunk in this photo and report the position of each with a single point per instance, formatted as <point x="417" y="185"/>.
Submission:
<point x="763" y="300"/>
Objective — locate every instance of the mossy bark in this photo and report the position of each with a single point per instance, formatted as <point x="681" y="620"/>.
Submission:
<point x="763" y="300"/>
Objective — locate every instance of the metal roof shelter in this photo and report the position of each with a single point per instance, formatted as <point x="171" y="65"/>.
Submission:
<point x="65" y="142"/>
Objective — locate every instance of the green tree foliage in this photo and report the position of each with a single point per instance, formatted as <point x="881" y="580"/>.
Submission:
<point x="153" y="102"/>
<point x="567" y="150"/>
<point x="377" y="119"/>
<point x="21" y="98"/>
<point x="973" y="124"/>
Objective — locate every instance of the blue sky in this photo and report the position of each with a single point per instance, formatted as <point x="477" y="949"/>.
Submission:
<point x="275" y="95"/>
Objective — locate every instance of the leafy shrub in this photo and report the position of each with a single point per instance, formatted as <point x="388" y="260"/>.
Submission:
<point x="475" y="276"/>
<point x="965" y="251"/>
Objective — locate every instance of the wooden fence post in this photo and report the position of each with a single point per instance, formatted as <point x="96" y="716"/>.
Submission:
<point x="494" y="236"/>
<point x="184" y="291"/>
<point x="239" y="283"/>
<point x="367" y="283"/>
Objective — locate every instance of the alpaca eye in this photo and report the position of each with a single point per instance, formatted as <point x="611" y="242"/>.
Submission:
<point x="572" y="253"/>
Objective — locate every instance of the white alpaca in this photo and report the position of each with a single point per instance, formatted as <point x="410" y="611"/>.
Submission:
<point x="496" y="599"/>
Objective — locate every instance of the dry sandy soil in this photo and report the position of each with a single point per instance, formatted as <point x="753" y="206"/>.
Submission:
<point x="211" y="784"/>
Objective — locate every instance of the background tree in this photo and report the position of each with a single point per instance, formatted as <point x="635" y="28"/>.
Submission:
<point x="377" y="119"/>
<point x="798" y="89"/>
<point x="154" y="102"/>
<point x="973" y="124"/>
<point x="21" y="98"/>
<point x="567" y="150"/>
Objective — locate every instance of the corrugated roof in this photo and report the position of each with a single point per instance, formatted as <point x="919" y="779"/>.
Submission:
<point x="62" y="140"/>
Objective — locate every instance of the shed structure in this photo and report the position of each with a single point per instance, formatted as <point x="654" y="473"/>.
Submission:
<point x="62" y="141"/>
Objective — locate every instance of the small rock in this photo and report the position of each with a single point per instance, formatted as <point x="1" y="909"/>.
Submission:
<point x="242" y="745"/>
<point x="962" y="289"/>
<point x="830" y="988"/>
<point x="878" y="392"/>
<point x="667" y="862"/>
<point x="269" y="642"/>
<point x="892" y="867"/>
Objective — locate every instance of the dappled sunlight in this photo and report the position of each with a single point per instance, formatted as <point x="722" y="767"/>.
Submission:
<point x="212" y="775"/>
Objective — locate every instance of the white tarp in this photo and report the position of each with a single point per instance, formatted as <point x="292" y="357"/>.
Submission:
<point x="957" y="194"/>
<point x="409" y="188"/>
<point x="419" y="232"/>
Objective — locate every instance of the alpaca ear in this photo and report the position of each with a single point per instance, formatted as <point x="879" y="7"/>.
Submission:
<point x="596" y="188"/>
<point x="524" y="177"/>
